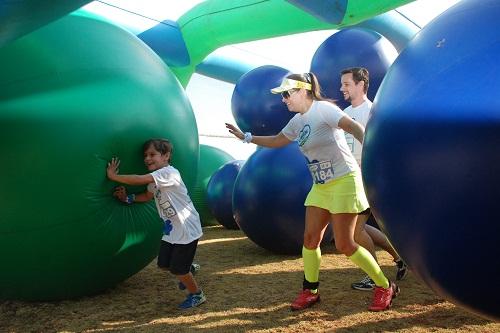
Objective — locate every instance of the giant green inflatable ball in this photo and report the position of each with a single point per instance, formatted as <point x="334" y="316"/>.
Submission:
<point x="72" y="95"/>
<point x="211" y="159"/>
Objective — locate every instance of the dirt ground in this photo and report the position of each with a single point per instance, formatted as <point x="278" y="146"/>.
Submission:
<point x="248" y="290"/>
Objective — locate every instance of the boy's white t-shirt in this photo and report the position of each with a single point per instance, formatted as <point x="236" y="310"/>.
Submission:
<point x="322" y="141"/>
<point x="174" y="205"/>
<point x="361" y="114"/>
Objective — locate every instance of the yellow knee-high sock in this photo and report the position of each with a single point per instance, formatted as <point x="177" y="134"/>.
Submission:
<point x="364" y="260"/>
<point x="312" y="260"/>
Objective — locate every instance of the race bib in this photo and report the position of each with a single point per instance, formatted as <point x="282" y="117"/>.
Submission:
<point x="321" y="172"/>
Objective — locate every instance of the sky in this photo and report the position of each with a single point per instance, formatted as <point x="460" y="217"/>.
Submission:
<point x="210" y="98"/>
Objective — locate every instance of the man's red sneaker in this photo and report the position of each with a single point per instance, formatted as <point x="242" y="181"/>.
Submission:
<point x="382" y="297"/>
<point x="305" y="299"/>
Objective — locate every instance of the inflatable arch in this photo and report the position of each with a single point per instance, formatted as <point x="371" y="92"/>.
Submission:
<point x="213" y="24"/>
<point x="392" y="25"/>
<point x="185" y="45"/>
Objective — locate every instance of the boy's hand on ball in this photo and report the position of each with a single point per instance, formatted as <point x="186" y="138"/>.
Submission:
<point x="112" y="168"/>
<point x="120" y="192"/>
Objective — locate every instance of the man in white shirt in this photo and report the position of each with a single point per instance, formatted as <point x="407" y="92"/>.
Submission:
<point x="354" y="86"/>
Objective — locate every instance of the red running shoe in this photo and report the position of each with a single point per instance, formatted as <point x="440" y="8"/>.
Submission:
<point x="382" y="298"/>
<point x="305" y="299"/>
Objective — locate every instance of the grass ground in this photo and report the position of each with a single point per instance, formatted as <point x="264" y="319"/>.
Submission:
<point x="248" y="290"/>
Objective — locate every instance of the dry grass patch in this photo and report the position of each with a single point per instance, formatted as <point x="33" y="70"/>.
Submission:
<point x="248" y="290"/>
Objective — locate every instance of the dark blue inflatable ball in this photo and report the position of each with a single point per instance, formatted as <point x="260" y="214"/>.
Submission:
<point x="431" y="162"/>
<point x="352" y="47"/>
<point x="268" y="199"/>
<point x="254" y="108"/>
<point x="220" y="193"/>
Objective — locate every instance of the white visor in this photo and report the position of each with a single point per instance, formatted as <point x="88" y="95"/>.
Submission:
<point x="289" y="84"/>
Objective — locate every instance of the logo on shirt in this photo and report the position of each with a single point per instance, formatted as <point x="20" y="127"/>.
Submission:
<point x="166" y="207"/>
<point x="304" y="135"/>
<point x="167" y="227"/>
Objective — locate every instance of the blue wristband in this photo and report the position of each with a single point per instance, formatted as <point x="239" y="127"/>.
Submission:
<point x="130" y="198"/>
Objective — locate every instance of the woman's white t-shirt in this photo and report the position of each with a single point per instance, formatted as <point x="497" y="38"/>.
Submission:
<point x="322" y="142"/>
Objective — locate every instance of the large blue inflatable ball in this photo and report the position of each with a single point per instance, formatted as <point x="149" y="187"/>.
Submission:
<point x="220" y="193"/>
<point x="430" y="160"/>
<point x="352" y="47"/>
<point x="268" y="199"/>
<point x="254" y="108"/>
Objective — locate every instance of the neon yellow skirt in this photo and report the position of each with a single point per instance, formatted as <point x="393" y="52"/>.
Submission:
<point x="342" y="195"/>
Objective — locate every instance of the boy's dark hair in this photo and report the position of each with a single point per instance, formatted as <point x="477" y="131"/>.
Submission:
<point x="358" y="74"/>
<point x="163" y="146"/>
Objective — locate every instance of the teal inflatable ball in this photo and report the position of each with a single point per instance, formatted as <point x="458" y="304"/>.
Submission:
<point x="430" y="159"/>
<point x="220" y="193"/>
<point x="352" y="47"/>
<point x="211" y="159"/>
<point x="74" y="94"/>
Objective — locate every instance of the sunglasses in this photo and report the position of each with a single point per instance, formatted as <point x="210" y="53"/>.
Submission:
<point x="286" y="94"/>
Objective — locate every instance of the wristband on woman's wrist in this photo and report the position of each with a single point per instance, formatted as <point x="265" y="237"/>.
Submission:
<point x="247" y="137"/>
<point x="130" y="199"/>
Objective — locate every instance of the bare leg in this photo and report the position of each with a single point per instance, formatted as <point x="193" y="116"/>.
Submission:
<point x="380" y="240"/>
<point x="343" y="229"/>
<point x="189" y="281"/>
<point x="344" y="226"/>
<point x="362" y="237"/>
<point x="316" y="222"/>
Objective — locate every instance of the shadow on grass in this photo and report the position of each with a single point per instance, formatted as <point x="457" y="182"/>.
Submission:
<point x="248" y="289"/>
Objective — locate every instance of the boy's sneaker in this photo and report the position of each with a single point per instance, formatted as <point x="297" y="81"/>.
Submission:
<point x="193" y="300"/>
<point x="382" y="298"/>
<point x="194" y="268"/>
<point x="366" y="283"/>
<point x="402" y="269"/>
<point x="305" y="299"/>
